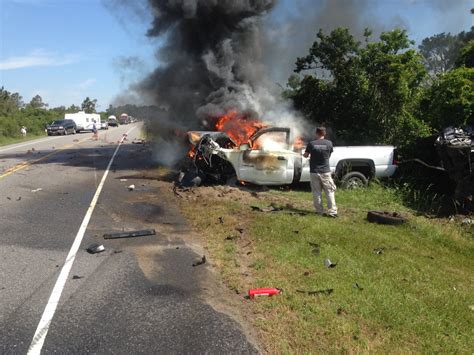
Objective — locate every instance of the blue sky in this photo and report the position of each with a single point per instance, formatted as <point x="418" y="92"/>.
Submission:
<point x="66" y="50"/>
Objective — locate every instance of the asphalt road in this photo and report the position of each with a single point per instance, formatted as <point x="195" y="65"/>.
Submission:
<point x="142" y="295"/>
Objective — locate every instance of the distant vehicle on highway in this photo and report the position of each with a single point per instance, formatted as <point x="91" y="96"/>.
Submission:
<point x="104" y="124"/>
<point x="124" y="118"/>
<point x="112" y="121"/>
<point x="84" y="121"/>
<point x="61" y="127"/>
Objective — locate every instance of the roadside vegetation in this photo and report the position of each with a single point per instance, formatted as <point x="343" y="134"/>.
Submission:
<point x="395" y="288"/>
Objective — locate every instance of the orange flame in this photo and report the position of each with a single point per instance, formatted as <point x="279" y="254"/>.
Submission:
<point x="238" y="127"/>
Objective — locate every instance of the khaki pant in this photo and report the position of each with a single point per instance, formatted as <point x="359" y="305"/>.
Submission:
<point x="320" y="182"/>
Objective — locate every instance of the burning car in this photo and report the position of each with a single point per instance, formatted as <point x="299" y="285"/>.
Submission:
<point x="255" y="153"/>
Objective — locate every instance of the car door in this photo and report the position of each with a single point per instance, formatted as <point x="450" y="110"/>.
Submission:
<point x="268" y="161"/>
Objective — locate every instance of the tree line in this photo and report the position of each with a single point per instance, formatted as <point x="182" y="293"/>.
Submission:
<point x="385" y="91"/>
<point x="34" y="115"/>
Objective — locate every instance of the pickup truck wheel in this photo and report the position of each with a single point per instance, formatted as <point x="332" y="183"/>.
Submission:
<point x="381" y="217"/>
<point x="354" y="180"/>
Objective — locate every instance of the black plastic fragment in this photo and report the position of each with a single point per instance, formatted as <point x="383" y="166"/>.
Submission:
<point x="95" y="248"/>
<point x="327" y="292"/>
<point x="200" y="262"/>
<point x="132" y="234"/>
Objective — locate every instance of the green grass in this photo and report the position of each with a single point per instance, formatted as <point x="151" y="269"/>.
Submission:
<point x="13" y="140"/>
<point x="416" y="295"/>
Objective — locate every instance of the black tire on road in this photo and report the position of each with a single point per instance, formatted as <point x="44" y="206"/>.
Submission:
<point x="354" y="180"/>
<point x="381" y="217"/>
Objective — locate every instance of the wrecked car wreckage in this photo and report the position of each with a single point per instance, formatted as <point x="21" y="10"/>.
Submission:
<point x="215" y="155"/>
<point x="444" y="165"/>
<point x="455" y="147"/>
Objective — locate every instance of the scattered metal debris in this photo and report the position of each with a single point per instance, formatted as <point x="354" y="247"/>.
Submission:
<point x="77" y="277"/>
<point x="200" y="262"/>
<point x="467" y="222"/>
<point x="131" y="188"/>
<point x="329" y="264"/>
<point x="378" y="251"/>
<point x="131" y="234"/>
<point x="95" y="248"/>
<point x="327" y="292"/>
<point x="262" y="292"/>
<point x="37" y="190"/>
<point x="232" y="237"/>
<point x="19" y="198"/>
<point x="273" y="208"/>
<point x="240" y="230"/>
<point x="357" y="286"/>
<point x="221" y="220"/>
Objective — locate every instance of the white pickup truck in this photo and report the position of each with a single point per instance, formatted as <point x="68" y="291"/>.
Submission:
<point x="269" y="158"/>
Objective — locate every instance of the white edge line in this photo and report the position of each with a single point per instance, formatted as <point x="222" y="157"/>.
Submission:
<point x="48" y="314"/>
<point x="33" y="141"/>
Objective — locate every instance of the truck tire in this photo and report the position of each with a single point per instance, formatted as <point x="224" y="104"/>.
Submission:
<point x="380" y="217"/>
<point x="354" y="180"/>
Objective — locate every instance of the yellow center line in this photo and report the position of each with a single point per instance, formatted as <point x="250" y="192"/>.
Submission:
<point x="24" y="165"/>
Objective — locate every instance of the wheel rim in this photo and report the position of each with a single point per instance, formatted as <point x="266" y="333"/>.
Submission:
<point x="354" y="183"/>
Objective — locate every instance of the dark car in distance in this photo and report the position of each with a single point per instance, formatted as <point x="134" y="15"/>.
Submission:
<point x="112" y="122"/>
<point x="61" y="127"/>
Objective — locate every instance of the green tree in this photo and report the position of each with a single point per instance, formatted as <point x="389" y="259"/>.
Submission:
<point x="37" y="102"/>
<point x="450" y="100"/>
<point x="367" y="94"/>
<point x="441" y="51"/>
<point x="88" y="105"/>
<point x="9" y="102"/>
<point x="466" y="57"/>
<point x="73" y="109"/>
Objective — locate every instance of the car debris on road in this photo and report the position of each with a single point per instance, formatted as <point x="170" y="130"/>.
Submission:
<point x="95" y="248"/>
<point x="131" y="234"/>
<point x="131" y="187"/>
<point x="200" y="262"/>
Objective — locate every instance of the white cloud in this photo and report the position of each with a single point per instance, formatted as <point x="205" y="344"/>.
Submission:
<point x="37" y="58"/>
<point x="86" y="83"/>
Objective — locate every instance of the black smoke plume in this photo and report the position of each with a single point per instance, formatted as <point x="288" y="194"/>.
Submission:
<point x="210" y="59"/>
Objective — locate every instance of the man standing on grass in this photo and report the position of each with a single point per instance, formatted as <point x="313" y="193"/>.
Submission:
<point x="319" y="152"/>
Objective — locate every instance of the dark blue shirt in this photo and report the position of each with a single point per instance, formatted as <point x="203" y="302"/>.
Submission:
<point x="320" y="151"/>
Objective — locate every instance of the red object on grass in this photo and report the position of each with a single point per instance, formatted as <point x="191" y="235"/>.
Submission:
<point x="260" y="292"/>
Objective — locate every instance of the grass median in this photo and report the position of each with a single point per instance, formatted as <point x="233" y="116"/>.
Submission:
<point x="395" y="288"/>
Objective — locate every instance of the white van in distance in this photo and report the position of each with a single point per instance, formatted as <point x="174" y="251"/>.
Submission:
<point x="84" y="121"/>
